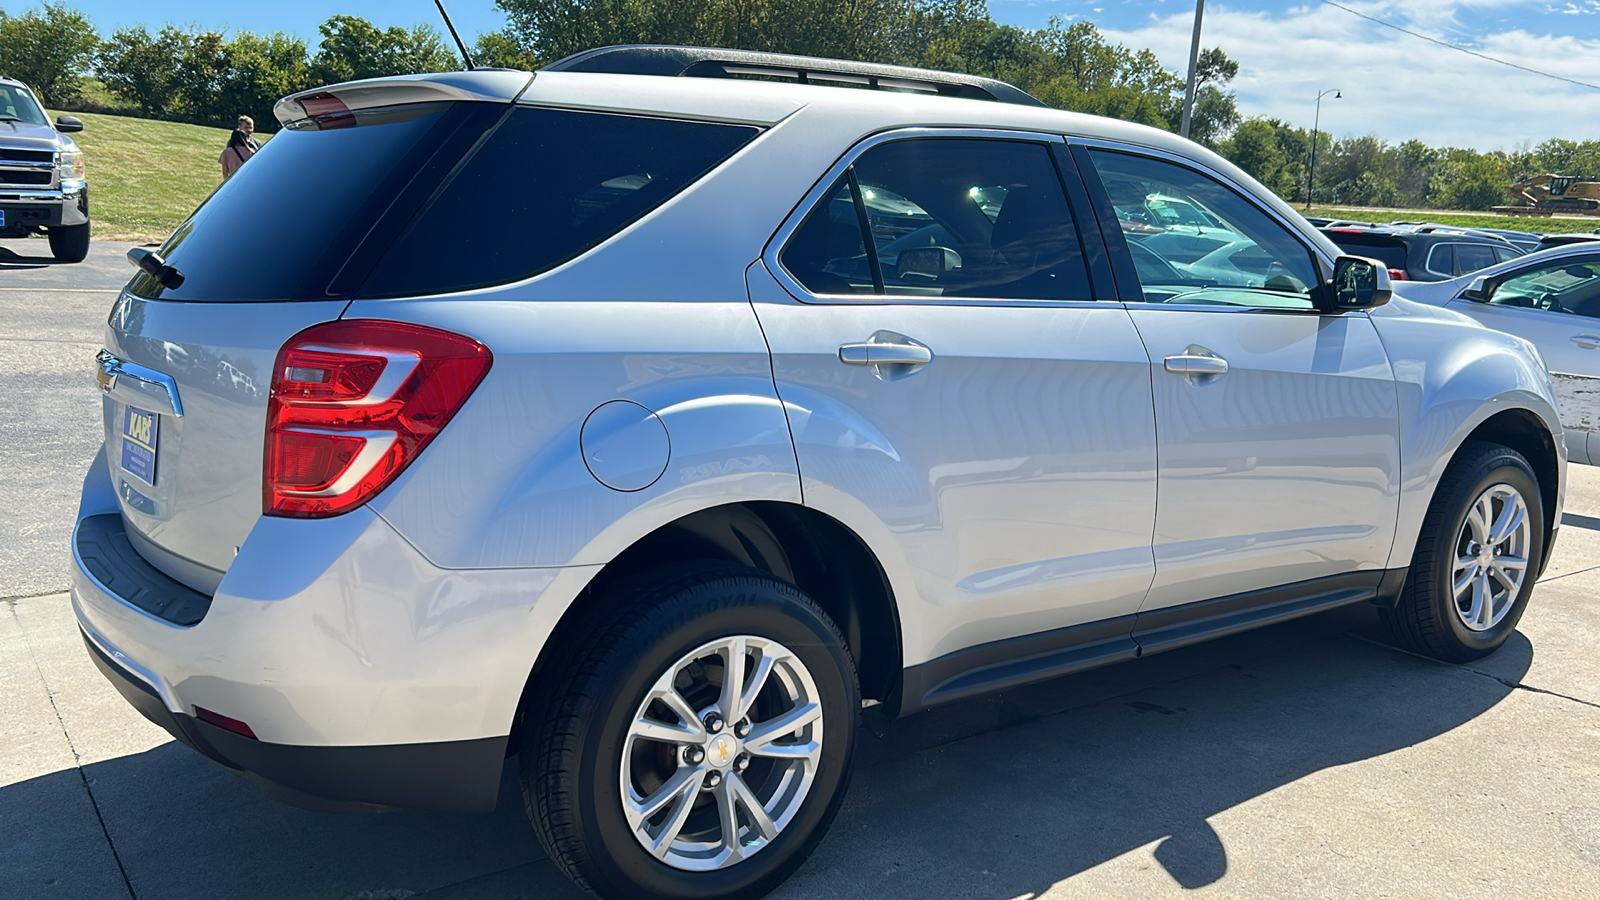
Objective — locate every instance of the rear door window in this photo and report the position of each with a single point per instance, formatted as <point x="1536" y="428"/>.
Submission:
<point x="947" y="217"/>
<point x="1472" y="257"/>
<point x="546" y="186"/>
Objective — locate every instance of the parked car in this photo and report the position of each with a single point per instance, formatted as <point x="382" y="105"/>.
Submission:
<point x="1551" y="298"/>
<point x="1426" y="255"/>
<point x="1561" y="240"/>
<point x="43" y="187"/>
<point x="645" y="480"/>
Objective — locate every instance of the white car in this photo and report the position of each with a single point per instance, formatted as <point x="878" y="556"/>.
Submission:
<point x="1551" y="298"/>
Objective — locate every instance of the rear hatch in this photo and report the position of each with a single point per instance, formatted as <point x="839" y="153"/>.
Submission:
<point x="1385" y="248"/>
<point x="279" y="247"/>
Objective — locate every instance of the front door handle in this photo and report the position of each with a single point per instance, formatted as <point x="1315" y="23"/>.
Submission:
<point x="872" y="354"/>
<point x="1587" y="341"/>
<point x="1195" y="364"/>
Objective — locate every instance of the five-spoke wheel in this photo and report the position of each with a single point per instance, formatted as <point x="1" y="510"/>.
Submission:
<point x="697" y="739"/>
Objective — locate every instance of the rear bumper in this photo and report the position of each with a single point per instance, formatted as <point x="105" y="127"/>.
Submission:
<point x="457" y="776"/>
<point x="370" y="677"/>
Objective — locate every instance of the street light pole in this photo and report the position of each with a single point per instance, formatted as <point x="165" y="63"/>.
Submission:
<point x="1316" y="124"/>
<point x="1194" y="62"/>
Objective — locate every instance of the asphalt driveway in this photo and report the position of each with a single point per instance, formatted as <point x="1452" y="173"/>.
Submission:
<point x="1305" y="760"/>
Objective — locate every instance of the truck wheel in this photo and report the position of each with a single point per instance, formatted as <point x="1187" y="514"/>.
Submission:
<point x="69" y="243"/>
<point x="1476" y="559"/>
<point x="697" y="743"/>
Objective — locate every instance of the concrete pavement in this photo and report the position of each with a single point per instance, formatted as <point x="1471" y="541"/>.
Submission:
<point x="1305" y="760"/>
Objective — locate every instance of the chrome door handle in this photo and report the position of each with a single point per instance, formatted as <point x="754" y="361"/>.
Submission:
<point x="1192" y="364"/>
<point x="137" y="385"/>
<point x="870" y="354"/>
<point x="1587" y="341"/>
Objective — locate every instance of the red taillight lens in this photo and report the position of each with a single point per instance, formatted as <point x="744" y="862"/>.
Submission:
<point x="226" y="722"/>
<point x="353" y="402"/>
<point x="327" y="111"/>
<point x="1397" y="274"/>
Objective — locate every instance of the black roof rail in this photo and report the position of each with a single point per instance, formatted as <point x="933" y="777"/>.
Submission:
<point x="717" y="62"/>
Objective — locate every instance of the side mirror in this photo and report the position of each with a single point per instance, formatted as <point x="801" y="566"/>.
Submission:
<point x="1359" y="283"/>
<point x="927" y="262"/>
<point x="1478" y="290"/>
<point x="68" y="124"/>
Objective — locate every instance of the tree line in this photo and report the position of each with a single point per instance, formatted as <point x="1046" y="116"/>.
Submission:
<point x="210" y="77"/>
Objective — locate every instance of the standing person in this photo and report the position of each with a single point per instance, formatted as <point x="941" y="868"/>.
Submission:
<point x="241" y="146"/>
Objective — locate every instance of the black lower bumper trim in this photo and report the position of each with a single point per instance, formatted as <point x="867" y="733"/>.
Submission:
<point x="455" y="776"/>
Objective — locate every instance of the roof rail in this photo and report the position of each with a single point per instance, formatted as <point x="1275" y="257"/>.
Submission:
<point x="716" y="62"/>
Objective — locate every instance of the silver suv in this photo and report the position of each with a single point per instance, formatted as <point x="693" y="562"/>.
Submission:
<point x="42" y="183"/>
<point x="647" y="428"/>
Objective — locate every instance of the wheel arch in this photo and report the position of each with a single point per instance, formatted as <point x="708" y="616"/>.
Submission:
<point x="794" y="543"/>
<point x="1527" y="433"/>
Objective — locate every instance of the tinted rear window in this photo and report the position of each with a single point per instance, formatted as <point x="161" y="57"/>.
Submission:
<point x="264" y="233"/>
<point x="546" y="186"/>
<point x="1384" y="249"/>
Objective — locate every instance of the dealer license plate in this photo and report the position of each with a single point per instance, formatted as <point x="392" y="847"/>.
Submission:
<point x="140" y="433"/>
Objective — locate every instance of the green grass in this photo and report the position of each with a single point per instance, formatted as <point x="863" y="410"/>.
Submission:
<point x="1536" y="224"/>
<point x="145" y="177"/>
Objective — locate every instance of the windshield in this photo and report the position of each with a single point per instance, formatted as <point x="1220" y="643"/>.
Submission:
<point x="17" y="105"/>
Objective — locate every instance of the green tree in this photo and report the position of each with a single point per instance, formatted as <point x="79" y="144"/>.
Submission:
<point x="143" y="69"/>
<point x="218" y="78"/>
<point x="502" y="50"/>
<point x="353" y="48"/>
<point x="1254" y="148"/>
<point x="1471" y="180"/>
<point x="49" y="50"/>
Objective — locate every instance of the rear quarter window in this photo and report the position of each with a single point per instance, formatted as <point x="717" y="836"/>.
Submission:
<point x="544" y="187"/>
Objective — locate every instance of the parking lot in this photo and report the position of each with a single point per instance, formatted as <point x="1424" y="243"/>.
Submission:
<point x="1305" y="760"/>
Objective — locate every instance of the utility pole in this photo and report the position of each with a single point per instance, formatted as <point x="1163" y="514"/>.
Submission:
<point x="1194" y="63"/>
<point x="1316" y="123"/>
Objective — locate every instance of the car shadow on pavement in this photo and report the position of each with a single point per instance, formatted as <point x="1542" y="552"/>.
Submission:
<point x="989" y="798"/>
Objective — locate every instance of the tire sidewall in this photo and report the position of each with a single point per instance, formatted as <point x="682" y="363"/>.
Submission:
<point x="1505" y="468"/>
<point x="763" y="611"/>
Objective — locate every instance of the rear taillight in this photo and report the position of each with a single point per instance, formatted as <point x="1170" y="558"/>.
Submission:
<point x="1397" y="274"/>
<point x="327" y="111"/>
<point x="353" y="402"/>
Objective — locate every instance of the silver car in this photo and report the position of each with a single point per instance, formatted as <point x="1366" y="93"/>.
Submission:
<point x="1552" y="299"/>
<point x="576" y="416"/>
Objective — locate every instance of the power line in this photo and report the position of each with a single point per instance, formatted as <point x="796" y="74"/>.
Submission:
<point x="1434" y="40"/>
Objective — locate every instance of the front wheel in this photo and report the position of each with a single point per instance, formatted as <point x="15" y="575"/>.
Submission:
<point x="699" y="745"/>
<point x="69" y="243"/>
<point x="1476" y="559"/>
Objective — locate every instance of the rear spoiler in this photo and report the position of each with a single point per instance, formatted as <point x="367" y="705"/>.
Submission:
<point x="318" y="106"/>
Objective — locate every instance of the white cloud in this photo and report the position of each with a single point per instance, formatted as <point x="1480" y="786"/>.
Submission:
<point x="1395" y="86"/>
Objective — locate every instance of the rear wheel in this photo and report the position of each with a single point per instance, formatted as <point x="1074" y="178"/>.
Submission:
<point x="1476" y="558"/>
<point x="69" y="243"/>
<point x="699" y="743"/>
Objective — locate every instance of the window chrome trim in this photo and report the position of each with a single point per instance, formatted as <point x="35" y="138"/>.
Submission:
<point x="770" y="255"/>
<point x="1199" y="166"/>
<point x="1427" y="265"/>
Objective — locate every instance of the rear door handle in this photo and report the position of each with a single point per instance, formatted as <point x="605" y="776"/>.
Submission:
<point x="1587" y="341"/>
<point x="873" y="354"/>
<point x="1192" y="364"/>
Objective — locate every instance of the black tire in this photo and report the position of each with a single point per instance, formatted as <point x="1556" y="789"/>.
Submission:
<point x="1426" y="620"/>
<point x="571" y="762"/>
<point x="69" y="243"/>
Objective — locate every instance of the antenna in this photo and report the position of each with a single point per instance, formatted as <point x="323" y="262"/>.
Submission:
<point x="452" y="26"/>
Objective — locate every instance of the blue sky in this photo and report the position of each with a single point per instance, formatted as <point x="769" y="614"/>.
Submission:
<point x="1395" y="86"/>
